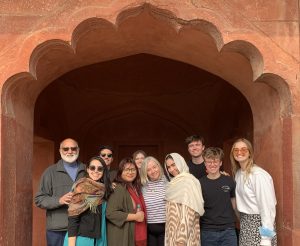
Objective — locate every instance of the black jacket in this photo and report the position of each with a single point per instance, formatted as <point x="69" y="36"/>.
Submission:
<point x="87" y="224"/>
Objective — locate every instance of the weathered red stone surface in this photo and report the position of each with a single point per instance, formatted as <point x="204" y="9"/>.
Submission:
<point x="253" y="46"/>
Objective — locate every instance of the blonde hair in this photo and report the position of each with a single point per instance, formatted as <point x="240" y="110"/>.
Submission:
<point x="143" y="170"/>
<point x="235" y="166"/>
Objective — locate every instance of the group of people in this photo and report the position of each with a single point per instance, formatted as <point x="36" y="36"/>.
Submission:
<point x="146" y="203"/>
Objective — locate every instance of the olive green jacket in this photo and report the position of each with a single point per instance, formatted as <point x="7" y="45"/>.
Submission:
<point x="119" y="231"/>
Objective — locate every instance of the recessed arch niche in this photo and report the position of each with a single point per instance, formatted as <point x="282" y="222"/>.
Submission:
<point x="141" y="98"/>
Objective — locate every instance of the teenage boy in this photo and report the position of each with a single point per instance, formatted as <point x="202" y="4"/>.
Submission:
<point x="218" y="222"/>
<point x="196" y="146"/>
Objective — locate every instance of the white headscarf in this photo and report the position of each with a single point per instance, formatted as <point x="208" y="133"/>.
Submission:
<point x="184" y="188"/>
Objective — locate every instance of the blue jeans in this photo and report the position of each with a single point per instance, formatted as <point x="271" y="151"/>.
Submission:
<point x="55" y="238"/>
<point x="225" y="237"/>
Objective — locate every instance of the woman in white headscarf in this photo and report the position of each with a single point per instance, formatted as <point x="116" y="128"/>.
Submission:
<point x="184" y="204"/>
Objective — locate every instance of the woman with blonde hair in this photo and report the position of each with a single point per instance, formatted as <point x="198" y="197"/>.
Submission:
<point x="184" y="204"/>
<point x="255" y="197"/>
<point x="154" y="190"/>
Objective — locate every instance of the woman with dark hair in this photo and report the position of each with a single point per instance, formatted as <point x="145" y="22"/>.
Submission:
<point x="86" y="222"/>
<point x="184" y="204"/>
<point x="126" y="212"/>
<point x="255" y="197"/>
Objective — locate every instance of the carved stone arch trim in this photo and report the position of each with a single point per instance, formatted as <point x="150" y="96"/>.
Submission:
<point x="249" y="51"/>
<point x="282" y="88"/>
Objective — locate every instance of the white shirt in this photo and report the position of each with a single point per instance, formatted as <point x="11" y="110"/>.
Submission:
<point x="256" y="195"/>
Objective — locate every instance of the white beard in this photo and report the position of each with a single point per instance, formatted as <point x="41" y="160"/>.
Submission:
<point x="69" y="158"/>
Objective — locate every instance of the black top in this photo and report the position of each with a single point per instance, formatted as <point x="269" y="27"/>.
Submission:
<point x="87" y="224"/>
<point x="198" y="170"/>
<point x="217" y="194"/>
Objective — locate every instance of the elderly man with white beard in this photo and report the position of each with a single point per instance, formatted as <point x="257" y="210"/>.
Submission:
<point x="54" y="192"/>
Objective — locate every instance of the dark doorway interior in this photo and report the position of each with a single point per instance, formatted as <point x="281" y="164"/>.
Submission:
<point x="136" y="102"/>
<point x="141" y="99"/>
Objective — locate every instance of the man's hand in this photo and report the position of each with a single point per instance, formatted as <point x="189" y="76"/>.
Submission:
<point x="66" y="198"/>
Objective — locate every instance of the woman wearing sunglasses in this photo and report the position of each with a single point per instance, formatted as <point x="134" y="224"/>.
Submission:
<point x="86" y="221"/>
<point x="255" y="197"/>
<point x="126" y="211"/>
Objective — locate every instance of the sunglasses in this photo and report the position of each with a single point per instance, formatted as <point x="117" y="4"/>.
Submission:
<point x="68" y="148"/>
<point x="93" y="168"/>
<point x="242" y="150"/>
<point x="108" y="155"/>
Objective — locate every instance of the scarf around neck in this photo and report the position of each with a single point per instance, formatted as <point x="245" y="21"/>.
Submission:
<point x="87" y="194"/>
<point x="140" y="228"/>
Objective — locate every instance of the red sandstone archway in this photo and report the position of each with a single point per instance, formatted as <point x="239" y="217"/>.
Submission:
<point x="139" y="30"/>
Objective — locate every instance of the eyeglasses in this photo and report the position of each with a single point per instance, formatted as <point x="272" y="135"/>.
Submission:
<point x="209" y="162"/>
<point x="65" y="149"/>
<point x="129" y="170"/>
<point x="242" y="150"/>
<point x="99" y="169"/>
<point x="108" y="155"/>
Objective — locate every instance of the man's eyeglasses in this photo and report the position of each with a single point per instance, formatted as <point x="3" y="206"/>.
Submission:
<point x="65" y="149"/>
<point x="108" y="155"/>
<point x="242" y="150"/>
<point x="99" y="169"/>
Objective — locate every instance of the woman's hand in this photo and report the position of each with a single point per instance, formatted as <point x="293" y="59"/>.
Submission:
<point x="71" y="241"/>
<point x="140" y="216"/>
<point x="114" y="185"/>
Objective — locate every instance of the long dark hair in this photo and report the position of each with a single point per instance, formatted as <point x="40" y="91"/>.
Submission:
<point x="136" y="183"/>
<point x="105" y="177"/>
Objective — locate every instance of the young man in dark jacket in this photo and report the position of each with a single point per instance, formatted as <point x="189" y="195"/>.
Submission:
<point x="196" y="146"/>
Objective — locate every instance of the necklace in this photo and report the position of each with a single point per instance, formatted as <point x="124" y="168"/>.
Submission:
<point x="153" y="190"/>
<point x="153" y="187"/>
